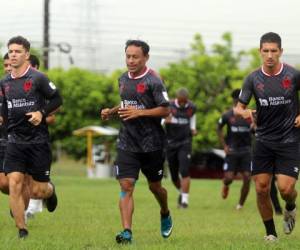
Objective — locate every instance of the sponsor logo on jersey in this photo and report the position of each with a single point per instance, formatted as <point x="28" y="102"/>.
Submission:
<point x="132" y="103"/>
<point x="263" y="102"/>
<point x="27" y="86"/>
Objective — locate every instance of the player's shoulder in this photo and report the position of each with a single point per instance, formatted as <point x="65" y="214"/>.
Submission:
<point x="37" y="74"/>
<point x="254" y="73"/>
<point x="154" y="76"/>
<point x="191" y="104"/>
<point x="290" y="68"/>
<point x="228" y="113"/>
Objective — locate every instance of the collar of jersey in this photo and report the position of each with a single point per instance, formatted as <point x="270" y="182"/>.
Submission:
<point x="265" y="73"/>
<point x="140" y="76"/>
<point x="177" y="104"/>
<point x="25" y="72"/>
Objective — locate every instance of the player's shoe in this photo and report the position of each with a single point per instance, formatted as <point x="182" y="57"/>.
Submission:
<point x="225" y="191"/>
<point x="23" y="233"/>
<point x="270" y="238"/>
<point x="166" y="226"/>
<point x="289" y="219"/>
<point x="51" y="202"/>
<point x="184" y="205"/>
<point x="239" y="207"/>
<point x="124" y="237"/>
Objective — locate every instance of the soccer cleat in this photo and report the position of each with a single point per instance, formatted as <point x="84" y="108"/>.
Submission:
<point x="124" y="237"/>
<point x="238" y="207"/>
<point x="289" y="218"/>
<point x="225" y="191"/>
<point x="51" y="202"/>
<point x="166" y="226"/>
<point x="184" y="205"/>
<point x="270" y="238"/>
<point x="23" y="233"/>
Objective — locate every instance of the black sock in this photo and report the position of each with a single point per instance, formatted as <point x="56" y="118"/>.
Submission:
<point x="270" y="227"/>
<point x="290" y="207"/>
<point x="128" y="230"/>
<point x="165" y="215"/>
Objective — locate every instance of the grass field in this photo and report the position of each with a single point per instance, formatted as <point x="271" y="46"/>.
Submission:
<point x="88" y="218"/>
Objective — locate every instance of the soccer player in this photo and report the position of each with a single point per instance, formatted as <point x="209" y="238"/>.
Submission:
<point x="275" y="87"/>
<point x="141" y="138"/>
<point x="28" y="150"/>
<point x="180" y="127"/>
<point x="237" y="147"/>
<point x="6" y="64"/>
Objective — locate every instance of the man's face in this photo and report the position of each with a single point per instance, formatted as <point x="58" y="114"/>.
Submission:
<point x="18" y="55"/>
<point x="270" y="54"/>
<point x="182" y="100"/>
<point x="135" y="59"/>
<point x="7" y="66"/>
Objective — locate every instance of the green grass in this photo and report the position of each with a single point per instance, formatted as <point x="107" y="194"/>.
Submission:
<point x="88" y="218"/>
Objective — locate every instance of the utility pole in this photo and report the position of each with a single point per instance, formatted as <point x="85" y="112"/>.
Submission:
<point x="46" y="35"/>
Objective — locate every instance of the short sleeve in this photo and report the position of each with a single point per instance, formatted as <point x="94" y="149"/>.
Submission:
<point x="246" y="91"/>
<point x="297" y="79"/>
<point x="222" y="121"/>
<point x="160" y="93"/>
<point x="46" y="86"/>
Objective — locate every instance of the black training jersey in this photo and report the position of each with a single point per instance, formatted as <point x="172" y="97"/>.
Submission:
<point x="27" y="93"/>
<point x="276" y="99"/>
<point x="3" y="129"/>
<point x="238" y="137"/>
<point x="144" y="134"/>
<point x="179" y="128"/>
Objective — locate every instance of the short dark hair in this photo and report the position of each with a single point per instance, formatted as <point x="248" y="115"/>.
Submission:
<point x="235" y="94"/>
<point x="182" y="92"/>
<point x="34" y="61"/>
<point x="5" y="57"/>
<point x="20" y="41"/>
<point x="138" y="43"/>
<point x="270" y="37"/>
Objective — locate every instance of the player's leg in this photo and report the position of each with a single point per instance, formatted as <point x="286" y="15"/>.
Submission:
<point x="274" y="197"/>
<point x="184" y="156"/>
<point x="39" y="175"/>
<point x="229" y="170"/>
<point x="287" y="171"/>
<point x="245" y="170"/>
<point x="244" y="189"/>
<point x="4" y="183"/>
<point x="152" y="168"/>
<point x="127" y="172"/>
<point x="262" y="172"/>
<point x="16" y="201"/>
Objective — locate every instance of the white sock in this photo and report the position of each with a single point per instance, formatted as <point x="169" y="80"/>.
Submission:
<point x="35" y="206"/>
<point x="185" y="198"/>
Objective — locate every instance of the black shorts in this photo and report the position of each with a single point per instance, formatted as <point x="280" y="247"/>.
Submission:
<point x="129" y="164"/>
<point x="276" y="158"/>
<point x="179" y="160"/>
<point x="237" y="162"/>
<point x="32" y="159"/>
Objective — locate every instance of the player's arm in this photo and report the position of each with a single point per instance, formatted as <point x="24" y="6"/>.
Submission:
<point x="221" y="135"/>
<point x="107" y="113"/>
<point x="130" y="112"/>
<point x="193" y="124"/>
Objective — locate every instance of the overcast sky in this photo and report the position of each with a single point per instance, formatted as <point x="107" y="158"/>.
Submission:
<point x="98" y="29"/>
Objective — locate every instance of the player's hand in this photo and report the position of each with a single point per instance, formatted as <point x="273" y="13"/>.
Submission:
<point x="168" y="119"/>
<point x="194" y="132"/>
<point x="35" y="118"/>
<point x="129" y="113"/>
<point x="297" y="121"/>
<point x="105" y="114"/>
<point x="226" y="149"/>
<point x="1" y="120"/>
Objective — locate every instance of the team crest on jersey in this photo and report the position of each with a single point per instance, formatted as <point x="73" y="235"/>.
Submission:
<point x="286" y="83"/>
<point x="141" y="88"/>
<point x="260" y="87"/>
<point x="27" y="86"/>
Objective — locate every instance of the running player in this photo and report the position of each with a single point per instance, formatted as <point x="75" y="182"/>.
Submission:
<point x="28" y="150"/>
<point x="275" y="88"/>
<point x="180" y="127"/>
<point x="237" y="147"/>
<point x="141" y="138"/>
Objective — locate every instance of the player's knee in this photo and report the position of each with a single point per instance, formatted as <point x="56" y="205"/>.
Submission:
<point x="38" y="192"/>
<point x="227" y="181"/>
<point x="262" y="189"/>
<point x="286" y="190"/>
<point x="154" y="187"/>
